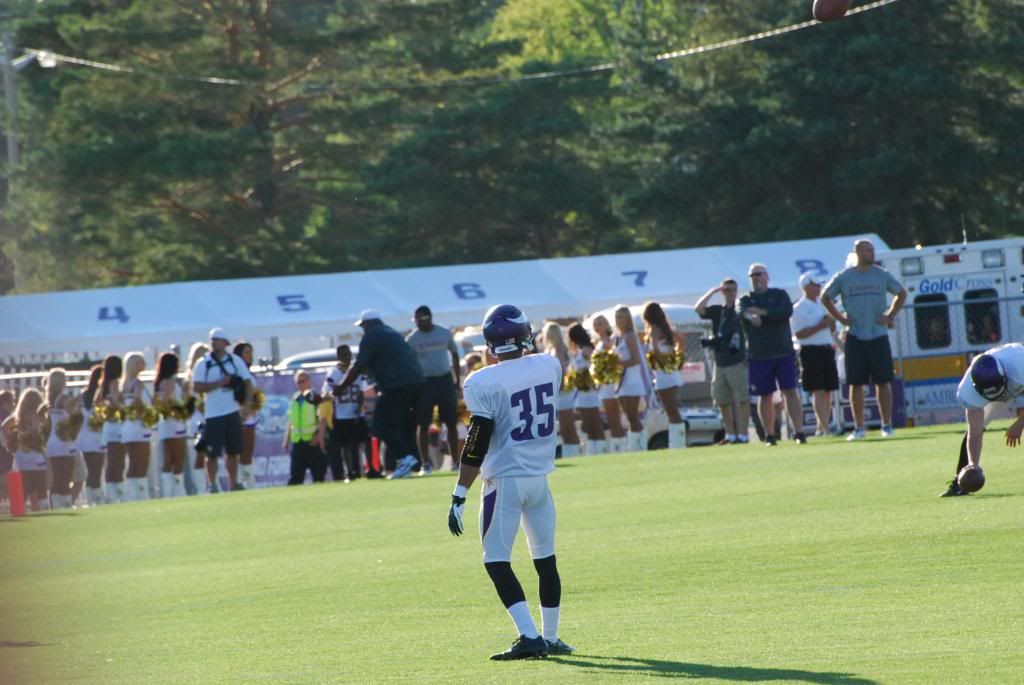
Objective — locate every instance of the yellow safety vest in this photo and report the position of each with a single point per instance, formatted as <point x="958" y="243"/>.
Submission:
<point x="302" y="418"/>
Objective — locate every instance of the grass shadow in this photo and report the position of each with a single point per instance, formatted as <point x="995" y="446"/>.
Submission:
<point x="12" y="519"/>
<point x="4" y="644"/>
<point x="681" y="669"/>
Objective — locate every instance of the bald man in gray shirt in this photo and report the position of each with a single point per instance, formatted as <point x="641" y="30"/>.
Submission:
<point x="439" y="356"/>
<point x="864" y="289"/>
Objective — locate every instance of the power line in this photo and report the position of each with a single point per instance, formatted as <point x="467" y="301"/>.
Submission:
<point x="460" y="83"/>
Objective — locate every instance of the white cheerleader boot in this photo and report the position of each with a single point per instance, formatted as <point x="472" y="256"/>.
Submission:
<point x="570" y="450"/>
<point x="166" y="485"/>
<point x="178" y="487"/>
<point x="94" y="496"/>
<point x="246" y="476"/>
<point x="115" y="491"/>
<point x="199" y="480"/>
<point x="637" y="441"/>
<point x="620" y="445"/>
<point x="676" y="436"/>
<point x="595" y="446"/>
<point x="142" y="488"/>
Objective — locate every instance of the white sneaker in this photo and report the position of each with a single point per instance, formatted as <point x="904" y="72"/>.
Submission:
<point x="404" y="467"/>
<point x="857" y="434"/>
<point x="887" y="432"/>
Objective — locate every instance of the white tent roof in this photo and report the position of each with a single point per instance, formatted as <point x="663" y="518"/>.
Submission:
<point x="116" y="319"/>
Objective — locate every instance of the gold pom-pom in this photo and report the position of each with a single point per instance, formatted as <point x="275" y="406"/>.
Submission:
<point x="258" y="400"/>
<point x="605" y="368"/>
<point x="666" y="362"/>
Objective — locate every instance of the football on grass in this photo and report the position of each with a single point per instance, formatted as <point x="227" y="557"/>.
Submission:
<point x="829" y="10"/>
<point x="971" y="478"/>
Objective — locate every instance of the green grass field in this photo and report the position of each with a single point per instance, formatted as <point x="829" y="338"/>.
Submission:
<point x="830" y="563"/>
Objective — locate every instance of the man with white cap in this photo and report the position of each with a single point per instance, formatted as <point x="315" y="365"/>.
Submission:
<point x="812" y="335"/>
<point x="227" y="382"/>
<point x="385" y="355"/>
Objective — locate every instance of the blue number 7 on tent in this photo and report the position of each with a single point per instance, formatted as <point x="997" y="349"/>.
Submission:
<point x="639" y="277"/>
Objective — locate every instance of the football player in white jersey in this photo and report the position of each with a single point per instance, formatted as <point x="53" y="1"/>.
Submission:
<point x="994" y="378"/>
<point x="511" y="442"/>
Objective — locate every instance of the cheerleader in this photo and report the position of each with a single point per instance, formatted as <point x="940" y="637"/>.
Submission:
<point x="24" y="433"/>
<point x="170" y="398"/>
<point x="554" y="345"/>
<point x="250" y="419"/>
<point x="65" y="420"/>
<point x="635" y="381"/>
<point x="666" y="348"/>
<point x="113" y="413"/>
<point x="586" y="401"/>
<point x="606" y="393"/>
<point x="90" y="439"/>
<point x="137" y="429"/>
<point x="195" y="421"/>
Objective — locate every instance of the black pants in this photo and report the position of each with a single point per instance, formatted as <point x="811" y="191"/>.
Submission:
<point x="306" y="456"/>
<point x="347" y="436"/>
<point x="394" y="422"/>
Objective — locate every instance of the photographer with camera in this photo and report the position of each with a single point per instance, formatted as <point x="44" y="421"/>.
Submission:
<point x="730" y="387"/>
<point x="227" y="382"/>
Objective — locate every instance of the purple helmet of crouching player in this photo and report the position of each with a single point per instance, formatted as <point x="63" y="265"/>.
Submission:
<point x="506" y="329"/>
<point x="988" y="377"/>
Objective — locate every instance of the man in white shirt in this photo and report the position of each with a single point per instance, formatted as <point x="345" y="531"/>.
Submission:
<point x="993" y="379"/>
<point x="227" y="382"/>
<point x="513" y="425"/>
<point x="812" y="335"/>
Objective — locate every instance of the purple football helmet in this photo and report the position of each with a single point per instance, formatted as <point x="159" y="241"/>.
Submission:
<point x="506" y="329"/>
<point x="988" y="377"/>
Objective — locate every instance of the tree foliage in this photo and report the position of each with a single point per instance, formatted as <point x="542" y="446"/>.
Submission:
<point x="393" y="133"/>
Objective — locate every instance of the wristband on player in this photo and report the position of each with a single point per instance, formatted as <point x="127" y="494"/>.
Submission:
<point x="460" y="492"/>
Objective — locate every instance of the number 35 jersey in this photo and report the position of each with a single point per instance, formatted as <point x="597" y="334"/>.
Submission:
<point x="519" y="396"/>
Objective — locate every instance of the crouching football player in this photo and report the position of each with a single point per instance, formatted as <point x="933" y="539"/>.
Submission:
<point x="993" y="379"/>
<point x="512" y="442"/>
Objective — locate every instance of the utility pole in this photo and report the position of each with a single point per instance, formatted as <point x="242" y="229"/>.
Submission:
<point x="11" y="98"/>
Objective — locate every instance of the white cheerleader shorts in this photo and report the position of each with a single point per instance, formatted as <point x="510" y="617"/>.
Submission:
<point x="632" y="384"/>
<point x="664" y="380"/>
<point x="606" y="392"/>
<point x="134" y="431"/>
<point x="90" y="441"/>
<point x="564" y="401"/>
<point x="111" y="432"/>
<point x="169" y="429"/>
<point x="510" y="502"/>
<point x="588" y="399"/>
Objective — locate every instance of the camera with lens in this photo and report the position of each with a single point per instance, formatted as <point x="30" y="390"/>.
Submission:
<point x="237" y="386"/>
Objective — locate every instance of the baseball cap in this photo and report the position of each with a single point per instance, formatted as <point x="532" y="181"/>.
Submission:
<point x="368" y="315"/>
<point x="806" y="278"/>
<point x="219" y="334"/>
<point x="756" y="266"/>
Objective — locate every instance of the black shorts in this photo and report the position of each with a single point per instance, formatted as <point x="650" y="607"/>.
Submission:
<point x="224" y="435"/>
<point x="868" y="361"/>
<point x="438" y="391"/>
<point x="349" y="432"/>
<point x="818" y="370"/>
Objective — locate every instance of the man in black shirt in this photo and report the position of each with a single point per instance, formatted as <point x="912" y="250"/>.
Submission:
<point x="385" y="355"/>
<point x="764" y="313"/>
<point x="730" y="388"/>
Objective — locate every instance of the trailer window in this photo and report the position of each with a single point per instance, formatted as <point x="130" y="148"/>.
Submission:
<point x="981" y="312"/>
<point x="931" y="321"/>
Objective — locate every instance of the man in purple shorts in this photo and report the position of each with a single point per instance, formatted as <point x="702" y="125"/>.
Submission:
<point x="765" y="314"/>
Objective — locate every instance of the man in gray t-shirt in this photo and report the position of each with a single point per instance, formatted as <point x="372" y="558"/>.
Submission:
<point x="864" y="289"/>
<point x="439" y="356"/>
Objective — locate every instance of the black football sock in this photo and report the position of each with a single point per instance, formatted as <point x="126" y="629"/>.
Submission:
<point x="963" y="457"/>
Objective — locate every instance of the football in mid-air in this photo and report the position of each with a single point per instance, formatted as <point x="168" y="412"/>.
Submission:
<point x="971" y="478"/>
<point x="829" y="10"/>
